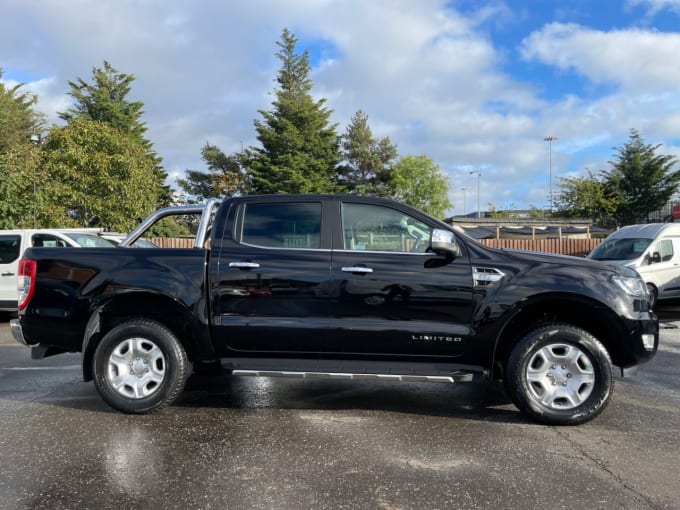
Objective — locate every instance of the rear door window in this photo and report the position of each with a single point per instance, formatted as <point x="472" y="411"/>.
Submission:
<point x="284" y="225"/>
<point x="10" y="246"/>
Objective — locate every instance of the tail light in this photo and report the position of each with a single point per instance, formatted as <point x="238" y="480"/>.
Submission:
<point x="26" y="281"/>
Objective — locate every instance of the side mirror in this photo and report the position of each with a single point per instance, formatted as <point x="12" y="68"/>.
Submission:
<point x="656" y="257"/>
<point x="443" y="242"/>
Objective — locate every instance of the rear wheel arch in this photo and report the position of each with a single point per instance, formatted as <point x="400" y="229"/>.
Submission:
<point x="124" y="307"/>
<point x="139" y="366"/>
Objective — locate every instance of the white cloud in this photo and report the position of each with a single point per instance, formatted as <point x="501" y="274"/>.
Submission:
<point x="638" y="61"/>
<point x="428" y="76"/>
<point x="656" y="6"/>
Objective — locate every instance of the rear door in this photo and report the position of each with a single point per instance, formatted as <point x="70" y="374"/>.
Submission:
<point x="272" y="272"/>
<point x="10" y="252"/>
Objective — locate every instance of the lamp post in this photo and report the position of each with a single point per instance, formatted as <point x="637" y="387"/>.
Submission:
<point x="463" y="190"/>
<point x="36" y="139"/>
<point x="550" y="139"/>
<point x="479" y="174"/>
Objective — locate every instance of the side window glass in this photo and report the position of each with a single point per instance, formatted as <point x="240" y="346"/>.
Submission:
<point x="289" y="225"/>
<point x="47" y="241"/>
<point x="664" y="249"/>
<point x="378" y="228"/>
<point x="9" y="248"/>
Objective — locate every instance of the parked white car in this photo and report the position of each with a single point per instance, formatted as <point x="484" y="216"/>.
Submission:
<point x="653" y="250"/>
<point x="13" y="243"/>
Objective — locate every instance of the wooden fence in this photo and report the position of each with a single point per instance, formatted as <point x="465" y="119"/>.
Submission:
<point x="172" y="242"/>
<point x="576" y="247"/>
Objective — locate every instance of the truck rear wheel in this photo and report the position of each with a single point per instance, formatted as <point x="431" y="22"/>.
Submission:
<point x="139" y="367"/>
<point x="560" y="375"/>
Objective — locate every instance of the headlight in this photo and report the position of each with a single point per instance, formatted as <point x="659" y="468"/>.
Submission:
<point x="632" y="286"/>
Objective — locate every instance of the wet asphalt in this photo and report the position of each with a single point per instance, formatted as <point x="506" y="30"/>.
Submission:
<point x="261" y="443"/>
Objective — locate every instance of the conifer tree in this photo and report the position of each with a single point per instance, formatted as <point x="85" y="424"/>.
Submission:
<point x="105" y="100"/>
<point x="299" y="149"/>
<point x="366" y="159"/>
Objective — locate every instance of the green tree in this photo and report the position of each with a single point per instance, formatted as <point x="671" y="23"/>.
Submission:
<point x="224" y="176"/>
<point x="366" y="159"/>
<point x="22" y="189"/>
<point x="418" y="182"/>
<point x="97" y="176"/>
<point x="18" y="119"/>
<point x="19" y="158"/>
<point x="587" y="197"/>
<point x="105" y="100"/>
<point x="643" y="180"/>
<point x="299" y="148"/>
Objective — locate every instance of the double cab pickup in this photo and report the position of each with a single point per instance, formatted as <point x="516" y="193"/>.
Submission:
<point x="336" y="286"/>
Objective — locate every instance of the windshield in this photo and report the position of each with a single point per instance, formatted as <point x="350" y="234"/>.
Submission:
<point x="89" y="240"/>
<point x="621" y="249"/>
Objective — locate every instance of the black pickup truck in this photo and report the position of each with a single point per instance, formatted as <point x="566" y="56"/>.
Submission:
<point x="337" y="287"/>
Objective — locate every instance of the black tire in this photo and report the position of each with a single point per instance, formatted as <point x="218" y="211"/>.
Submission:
<point x="653" y="295"/>
<point x="559" y="375"/>
<point x="139" y="367"/>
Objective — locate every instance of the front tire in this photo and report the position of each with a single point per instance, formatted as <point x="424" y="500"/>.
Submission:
<point x="560" y="375"/>
<point x="653" y="294"/>
<point x="139" y="367"/>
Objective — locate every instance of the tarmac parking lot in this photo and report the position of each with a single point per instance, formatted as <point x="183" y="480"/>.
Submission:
<point x="264" y="443"/>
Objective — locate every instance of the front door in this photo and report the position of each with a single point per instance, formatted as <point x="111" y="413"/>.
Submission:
<point x="390" y="294"/>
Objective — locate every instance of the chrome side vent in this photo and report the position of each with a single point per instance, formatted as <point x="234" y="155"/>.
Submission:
<point x="485" y="276"/>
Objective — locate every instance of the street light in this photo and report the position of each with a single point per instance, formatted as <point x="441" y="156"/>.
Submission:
<point x="36" y="139"/>
<point x="479" y="174"/>
<point x="463" y="190"/>
<point x="550" y="139"/>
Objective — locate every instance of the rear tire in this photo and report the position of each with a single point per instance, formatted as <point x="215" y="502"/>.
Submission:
<point x="139" y="366"/>
<point x="559" y="375"/>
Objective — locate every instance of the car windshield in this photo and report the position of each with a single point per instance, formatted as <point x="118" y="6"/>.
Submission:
<point x="89" y="240"/>
<point x="621" y="249"/>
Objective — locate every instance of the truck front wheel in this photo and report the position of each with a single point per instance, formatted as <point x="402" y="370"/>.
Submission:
<point x="560" y="375"/>
<point x="139" y="366"/>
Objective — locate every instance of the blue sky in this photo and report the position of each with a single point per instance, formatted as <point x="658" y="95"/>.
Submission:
<point x="474" y="85"/>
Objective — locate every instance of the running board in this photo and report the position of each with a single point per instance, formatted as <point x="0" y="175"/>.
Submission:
<point x="451" y="378"/>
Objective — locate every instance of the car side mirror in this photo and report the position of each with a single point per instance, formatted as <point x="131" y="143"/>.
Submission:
<point x="443" y="242"/>
<point x="656" y="257"/>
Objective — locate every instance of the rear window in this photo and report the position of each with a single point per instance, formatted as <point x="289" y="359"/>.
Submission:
<point x="9" y="248"/>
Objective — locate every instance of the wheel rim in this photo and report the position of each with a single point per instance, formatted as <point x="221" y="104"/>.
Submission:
<point x="560" y="376"/>
<point x="136" y="368"/>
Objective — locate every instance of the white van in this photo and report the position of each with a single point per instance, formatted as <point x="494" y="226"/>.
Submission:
<point x="653" y="250"/>
<point x="13" y="243"/>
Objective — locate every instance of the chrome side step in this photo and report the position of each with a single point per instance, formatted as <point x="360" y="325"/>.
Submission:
<point x="451" y="378"/>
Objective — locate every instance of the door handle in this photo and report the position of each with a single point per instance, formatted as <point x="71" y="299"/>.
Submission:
<point x="7" y="274"/>
<point x="244" y="265"/>
<point x="357" y="269"/>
